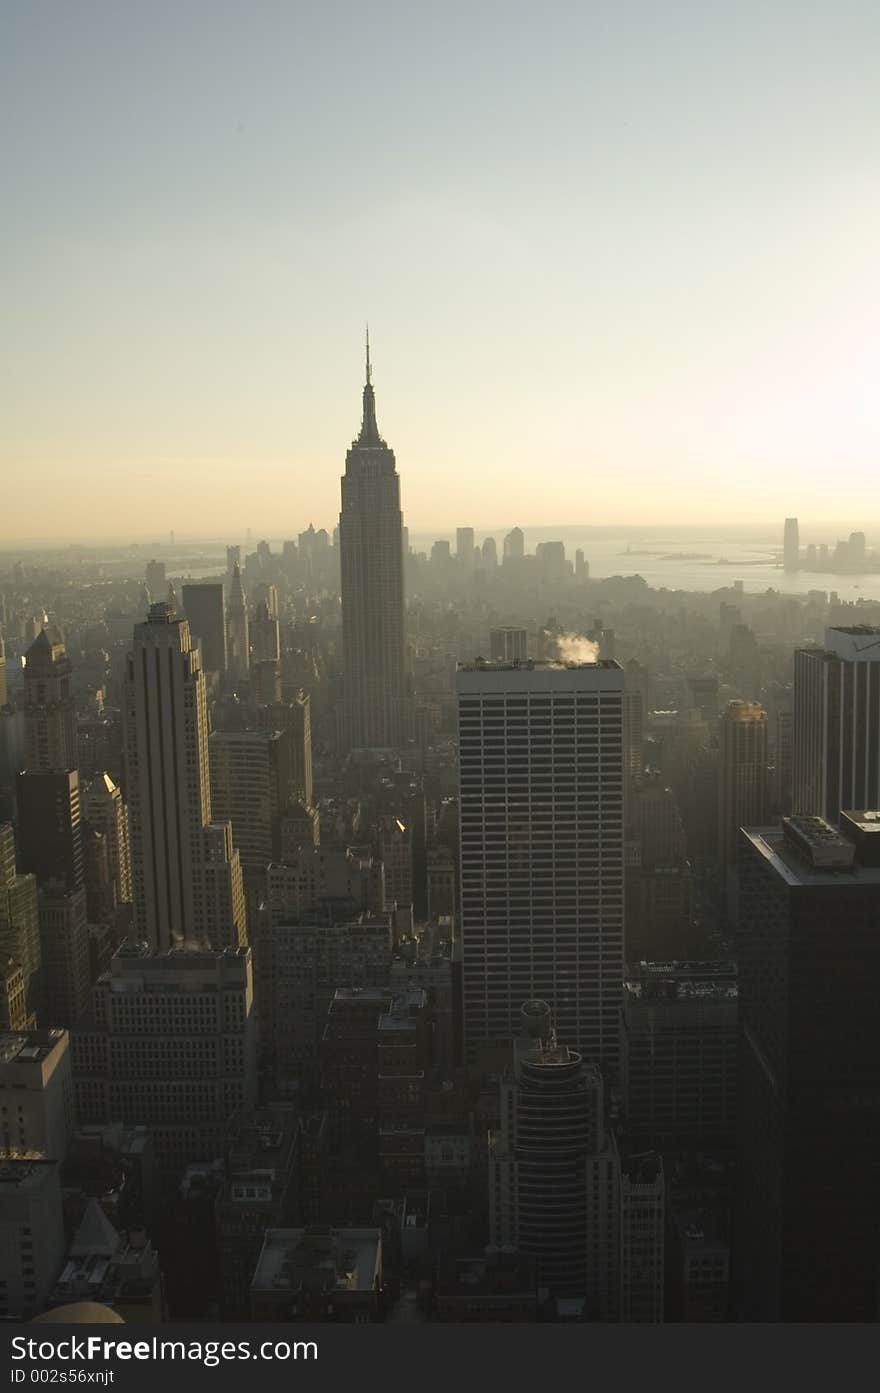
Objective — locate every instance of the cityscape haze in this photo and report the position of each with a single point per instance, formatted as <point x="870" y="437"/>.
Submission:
<point x="405" y="917"/>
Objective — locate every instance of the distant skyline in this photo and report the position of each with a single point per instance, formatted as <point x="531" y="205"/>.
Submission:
<point x="619" y="263"/>
<point x="766" y="533"/>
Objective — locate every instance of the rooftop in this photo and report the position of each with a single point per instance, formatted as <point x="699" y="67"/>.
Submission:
<point x="337" y="1260"/>
<point x="262" y="1148"/>
<point x="681" y="968"/>
<point x="29" y="1048"/>
<point x="673" y="988"/>
<point x="823" y="845"/>
<point x="797" y="869"/>
<point x="536" y="665"/>
<point x="866" y="820"/>
<point x="699" y="1230"/>
<point x="495" y="1272"/>
<point x="858" y="643"/>
<point x="643" y="1169"/>
<point x="184" y="956"/>
<point x="24" y="1172"/>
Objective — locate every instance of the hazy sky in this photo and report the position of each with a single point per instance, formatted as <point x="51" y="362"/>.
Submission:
<point x="620" y="260"/>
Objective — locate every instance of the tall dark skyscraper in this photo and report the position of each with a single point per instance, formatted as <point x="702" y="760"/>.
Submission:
<point x="837" y="723"/>
<point x="807" y="1234"/>
<point x="204" y="608"/>
<point x="371" y="556"/>
<point x="50" y="826"/>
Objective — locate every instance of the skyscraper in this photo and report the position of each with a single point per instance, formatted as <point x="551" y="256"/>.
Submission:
<point x="250" y="787"/>
<point x="807" y="1232"/>
<point x="155" y="579"/>
<point x="49" y="708"/>
<point x="105" y="811"/>
<point x="680" y="1037"/>
<point x="542" y="838"/>
<point x="19" y="923"/>
<point x="204" y="609"/>
<point x="837" y="723"/>
<point x="514" y="545"/>
<point x="50" y="826"/>
<point x="295" y="719"/>
<point x="376" y="709"/>
<point x="265" y="637"/>
<point x="238" y="642"/>
<point x="64" y="948"/>
<point x="791" y="545"/>
<point x="464" y="546"/>
<point x="742" y="776"/>
<point x="168" y="785"/>
<point x="554" y="1171"/>
<point x="266" y="687"/>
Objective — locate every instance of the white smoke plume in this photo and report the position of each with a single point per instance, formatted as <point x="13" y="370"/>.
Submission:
<point x="575" y="648"/>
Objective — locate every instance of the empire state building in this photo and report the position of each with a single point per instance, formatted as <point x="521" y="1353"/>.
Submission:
<point x="371" y="559"/>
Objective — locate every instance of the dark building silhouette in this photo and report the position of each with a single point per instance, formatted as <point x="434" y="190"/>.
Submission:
<point x="679" y="1056"/>
<point x="50" y="826"/>
<point x="371" y="555"/>
<point x="807" y="1237"/>
<point x="204" y="608"/>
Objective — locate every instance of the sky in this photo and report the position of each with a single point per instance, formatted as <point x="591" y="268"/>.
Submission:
<point x="619" y="261"/>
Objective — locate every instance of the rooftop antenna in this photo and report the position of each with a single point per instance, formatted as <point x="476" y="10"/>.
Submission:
<point x="369" y="374"/>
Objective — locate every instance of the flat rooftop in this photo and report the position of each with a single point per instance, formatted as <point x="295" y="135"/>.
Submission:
<point x="29" y="1047"/>
<point x="700" y="1231"/>
<point x="494" y="1273"/>
<point x="649" y="970"/>
<point x="865" y="819"/>
<point x="24" y="1172"/>
<point x="538" y="665"/>
<point x="343" y="1260"/>
<point x="661" y="989"/>
<point x="859" y="642"/>
<point x="792" y="867"/>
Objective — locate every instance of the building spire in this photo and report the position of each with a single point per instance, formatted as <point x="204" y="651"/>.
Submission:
<point x="369" y="430"/>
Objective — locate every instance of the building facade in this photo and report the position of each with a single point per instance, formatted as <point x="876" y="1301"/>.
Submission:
<point x="742" y="778"/>
<point x="49" y="707"/>
<point x="170" y="1044"/>
<point x="36" y="1093"/>
<point x="837" y="723"/>
<point x="542" y="850"/>
<point x="554" y="1172"/>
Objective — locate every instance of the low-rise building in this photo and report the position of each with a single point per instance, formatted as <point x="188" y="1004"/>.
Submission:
<point x="499" y="1285"/>
<point x="319" y="1274"/>
<point x="120" y="1270"/>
